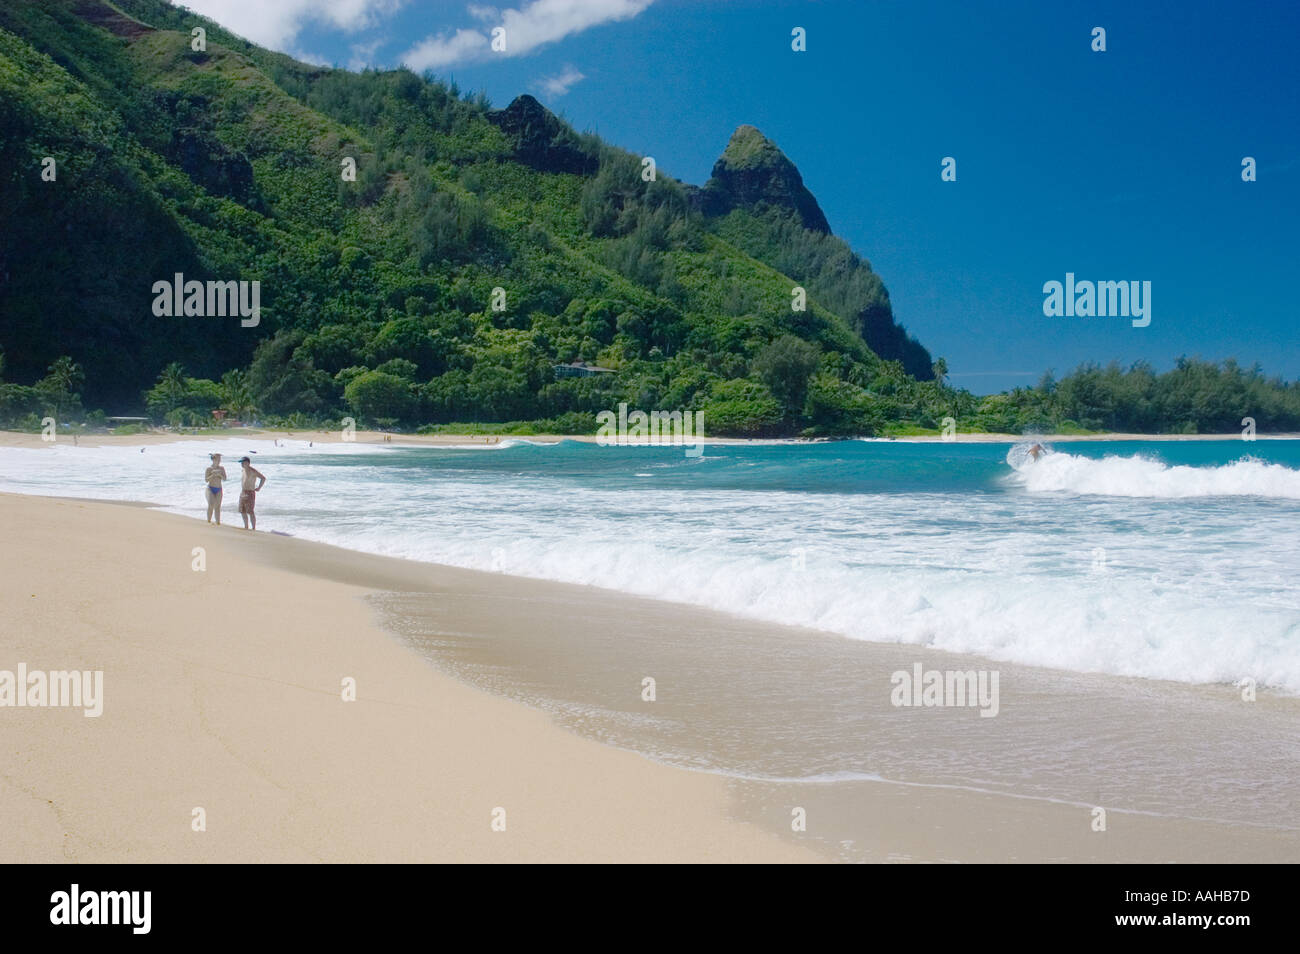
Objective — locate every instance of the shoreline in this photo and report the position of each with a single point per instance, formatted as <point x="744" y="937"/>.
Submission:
<point x="312" y="607"/>
<point x="33" y="440"/>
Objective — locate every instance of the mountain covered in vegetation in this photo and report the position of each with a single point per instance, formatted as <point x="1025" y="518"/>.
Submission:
<point x="480" y="266"/>
<point x="475" y="251"/>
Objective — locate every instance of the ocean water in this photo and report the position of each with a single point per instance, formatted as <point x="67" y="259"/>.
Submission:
<point x="1165" y="560"/>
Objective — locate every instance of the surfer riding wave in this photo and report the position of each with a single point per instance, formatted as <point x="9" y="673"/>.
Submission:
<point x="1027" y="452"/>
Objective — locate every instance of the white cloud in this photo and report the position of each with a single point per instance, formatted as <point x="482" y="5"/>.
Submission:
<point x="306" y="56"/>
<point x="276" y="23"/>
<point x="530" y="26"/>
<point x="562" y="82"/>
<point x="363" y="54"/>
<point x="436" y="52"/>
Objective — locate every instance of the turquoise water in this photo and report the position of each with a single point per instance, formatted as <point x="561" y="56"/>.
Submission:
<point x="1166" y="560"/>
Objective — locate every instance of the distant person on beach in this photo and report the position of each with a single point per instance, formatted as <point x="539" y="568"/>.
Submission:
<point x="1037" y="451"/>
<point x="251" y="483"/>
<point x="214" y="475"/>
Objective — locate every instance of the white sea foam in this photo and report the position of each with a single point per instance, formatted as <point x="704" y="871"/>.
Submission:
<point x="1206" y="595"/>
<point x="1139" y="476"/>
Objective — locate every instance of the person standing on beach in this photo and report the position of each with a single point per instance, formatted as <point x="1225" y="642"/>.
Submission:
<point x="214" y="475"/>
<point x="251" y="483"/>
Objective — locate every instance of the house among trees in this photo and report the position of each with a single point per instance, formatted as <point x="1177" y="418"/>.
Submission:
<point x="579" y="369"/>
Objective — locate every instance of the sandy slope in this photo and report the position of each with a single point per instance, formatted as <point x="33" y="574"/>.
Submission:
<point x="222" y="691"/>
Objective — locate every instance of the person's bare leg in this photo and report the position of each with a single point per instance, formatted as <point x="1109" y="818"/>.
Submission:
<point x="211" y="503"/>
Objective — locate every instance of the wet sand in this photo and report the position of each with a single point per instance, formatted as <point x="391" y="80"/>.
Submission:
<point x="1184" y="773"/>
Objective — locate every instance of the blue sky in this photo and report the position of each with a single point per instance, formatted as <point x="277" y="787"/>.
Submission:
<point x="1115" y="165"/>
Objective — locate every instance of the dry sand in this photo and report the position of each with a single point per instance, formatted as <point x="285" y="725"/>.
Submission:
<point x="222" y="691"/>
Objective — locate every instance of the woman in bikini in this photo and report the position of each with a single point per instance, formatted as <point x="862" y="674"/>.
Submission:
<point x="214" y="475"/>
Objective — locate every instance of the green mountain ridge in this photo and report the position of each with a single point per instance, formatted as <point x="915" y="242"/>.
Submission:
<point x="751" y="172"/>
<point x="225" y="164"/>
<point x="474" y="251"/>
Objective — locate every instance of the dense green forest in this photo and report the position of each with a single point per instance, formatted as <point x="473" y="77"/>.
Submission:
<point x="474" y="251"/>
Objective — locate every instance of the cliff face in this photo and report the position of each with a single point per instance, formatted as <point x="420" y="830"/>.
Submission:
<point x="540" y="140"/>
<point x="751" y="172"/>
<point x="757" y="200"/>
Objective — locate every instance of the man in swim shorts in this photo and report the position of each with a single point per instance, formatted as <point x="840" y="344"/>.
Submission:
<point x="214" y="475"/>
<point x="251" y="483"/>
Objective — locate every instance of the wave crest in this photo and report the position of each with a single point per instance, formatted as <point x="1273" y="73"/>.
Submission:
<point x="1140" y="476"/>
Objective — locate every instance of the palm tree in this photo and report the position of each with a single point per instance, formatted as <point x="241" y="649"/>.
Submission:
<point x="940" y="368"/>
<point x="173" y="376"/>
<point x="236" y="395"/>
<point x="59" y="386"/>
<point x="169" y="393"/>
